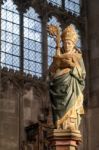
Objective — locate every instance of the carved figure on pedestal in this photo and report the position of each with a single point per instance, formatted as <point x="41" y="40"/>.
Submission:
<point x="67" y="80"/>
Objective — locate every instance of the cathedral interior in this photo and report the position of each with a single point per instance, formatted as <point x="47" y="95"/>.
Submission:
<point x="26" y="52"/>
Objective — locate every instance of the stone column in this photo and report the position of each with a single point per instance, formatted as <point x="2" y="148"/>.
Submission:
<point x="64" y="140"/>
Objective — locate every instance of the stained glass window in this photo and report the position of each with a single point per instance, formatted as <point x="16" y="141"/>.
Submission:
<point x="32" y="43"/>
<point x="10" y="36"/>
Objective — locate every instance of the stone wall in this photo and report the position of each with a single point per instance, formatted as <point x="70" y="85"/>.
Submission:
<point x="9" y="117"/>
<point x="23" y="101"/>
<point x="93" y="50"/>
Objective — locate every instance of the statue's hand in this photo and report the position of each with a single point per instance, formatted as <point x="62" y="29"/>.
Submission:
<point x="57" y="58"/>
<point x="67" y="63"/>
<point x="55" y="64"/>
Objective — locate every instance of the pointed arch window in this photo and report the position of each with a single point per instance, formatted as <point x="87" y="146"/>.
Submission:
<point x="10" y="36"/>
<point x="32" y="43"/>
<point x="14" y="54"/>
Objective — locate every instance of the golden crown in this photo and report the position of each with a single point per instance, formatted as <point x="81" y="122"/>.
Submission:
<point x="69" y="33"/>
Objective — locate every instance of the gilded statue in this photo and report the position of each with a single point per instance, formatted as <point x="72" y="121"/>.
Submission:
<point x="67" y="79"/>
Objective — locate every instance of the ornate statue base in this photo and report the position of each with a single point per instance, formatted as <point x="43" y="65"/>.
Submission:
<point x="64" y="139"/>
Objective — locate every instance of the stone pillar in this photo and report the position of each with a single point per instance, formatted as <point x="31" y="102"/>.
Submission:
<point x="64" y="140"/>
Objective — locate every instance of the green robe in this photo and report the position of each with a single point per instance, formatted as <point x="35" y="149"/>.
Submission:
<point x="65" y="91"/>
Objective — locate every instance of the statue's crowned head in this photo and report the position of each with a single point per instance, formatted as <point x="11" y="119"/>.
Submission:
<point x="69" y="33"/>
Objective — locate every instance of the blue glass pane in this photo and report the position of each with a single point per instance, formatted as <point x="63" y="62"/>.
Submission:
<point x="31" y="44"/>
<point x="38" y="57"/>
<point x="37" y="26"/>
<point x="38" y="68"/>
<point x="30" y="34"/>
<point x="9" y="35"/>
<point x="16" y="50"/>
<point x="37" y="37"/>
<point x="16" y="18"/>
<point x="51" y="51"/>
<point x="50" y="59"/>
<point x="3" y="14"/>
<point x="38" y="47"/>
<point x="77" y="9"/>
<point x="73" y="6"/>
<point x="9" y="6"/>
<point x="32" y="14"/>
<point x="3" y="46"/>
<point x="16" y="61"/>
<point x="16" y="39"/>
<point x="3" y="35"/>
<point x="8" y="59"/>
<point x="32" y="66"/>
<point x="3" y="57"/>
<point x="15" y="29"/>
<point x="9" y="48"/>
<point x="26" y="32"/>
<point x="26" y="64"/>
<point x="26" y="23"/>
<point x="31" y="55"/>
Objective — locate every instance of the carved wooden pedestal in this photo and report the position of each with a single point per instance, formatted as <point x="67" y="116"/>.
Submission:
<point x="64" y="140"/>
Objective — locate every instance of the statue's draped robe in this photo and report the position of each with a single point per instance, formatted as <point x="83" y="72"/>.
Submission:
<point x="66" y="93"/>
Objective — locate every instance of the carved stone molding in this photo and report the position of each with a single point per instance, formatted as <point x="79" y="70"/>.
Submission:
<point x="23" y="5"/>
<point x="19" y="79"/>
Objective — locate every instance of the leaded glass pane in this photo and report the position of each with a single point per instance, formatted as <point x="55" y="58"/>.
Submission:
<point x="32" y="43"/>
<point x="9" y="35"/>
<point x="73" y="6"/>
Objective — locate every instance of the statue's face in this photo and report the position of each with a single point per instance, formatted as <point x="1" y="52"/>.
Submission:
<point x="68" y="45"/>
